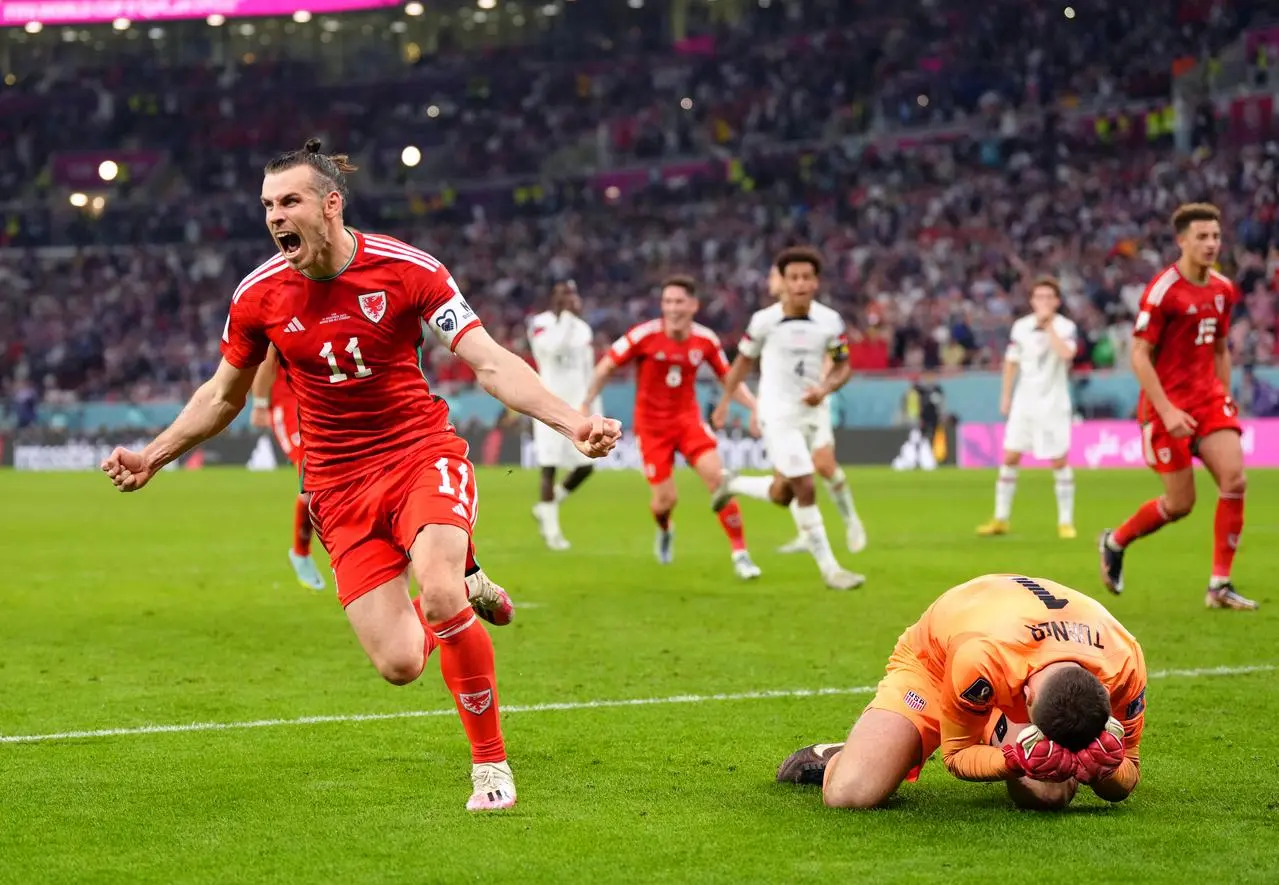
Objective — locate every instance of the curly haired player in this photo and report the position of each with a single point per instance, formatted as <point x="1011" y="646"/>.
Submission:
<point x="996" y="650"/>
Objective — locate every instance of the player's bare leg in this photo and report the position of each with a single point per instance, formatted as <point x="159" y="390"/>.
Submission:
<point x="710" y="468"/>
<point x="662" y="503"/>
<point x="808" y="519"/>
<point x="1175" y="503"/>
<point x="1005" y="490"/>
<point x="439" y="555"/>
<point x="1222" y="453"/>
<point x="304" y="567"/>
<point x="391" y="631"/>
<point x="867" y="769"/>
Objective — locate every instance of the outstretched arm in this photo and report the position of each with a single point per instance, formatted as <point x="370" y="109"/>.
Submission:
<point x="211" y="408"/>
<point x="514" y="383"/>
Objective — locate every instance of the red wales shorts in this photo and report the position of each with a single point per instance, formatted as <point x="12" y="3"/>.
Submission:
<point x="658" y="445"/>
<point x="369" y="524"/>
<point x="1167" y="454"/>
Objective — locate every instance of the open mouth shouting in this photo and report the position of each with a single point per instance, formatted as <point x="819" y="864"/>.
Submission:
<point x="290" y="244"/>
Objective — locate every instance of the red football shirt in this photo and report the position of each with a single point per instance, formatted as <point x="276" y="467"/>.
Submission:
<point x="668" y="370"/>
<point x="1182" y="320"/>
<point x="350" y="345"/>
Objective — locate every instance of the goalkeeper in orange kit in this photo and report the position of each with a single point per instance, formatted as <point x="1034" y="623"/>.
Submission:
<point x="996" y="651"/>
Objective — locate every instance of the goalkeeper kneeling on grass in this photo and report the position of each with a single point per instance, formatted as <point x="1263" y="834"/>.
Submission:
<point x="1015" y="679"/>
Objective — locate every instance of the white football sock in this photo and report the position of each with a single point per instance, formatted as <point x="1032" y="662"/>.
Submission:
<point x="1005" y="488"/>
<point x="811" y="527"/>
<point x="842" y="495"/>
<point x="751" y="486"/>
<point x="1064" y="484"/>
<point x="548" y="513"/>
<point x="560" y="492"/>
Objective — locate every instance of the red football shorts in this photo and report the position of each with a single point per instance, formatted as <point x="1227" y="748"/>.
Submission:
<point x="1168" y="454"/>
<point x="369" y="524"/>
<point x="288" y="429"/>
<point x="657" y="446"/>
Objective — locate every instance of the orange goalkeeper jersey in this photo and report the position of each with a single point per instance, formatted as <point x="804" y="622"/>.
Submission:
<point x="980" y="642"/>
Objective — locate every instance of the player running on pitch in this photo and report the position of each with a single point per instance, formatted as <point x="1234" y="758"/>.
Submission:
<point x="1040" y="350"/>
<point x="1181" y="357"/>
<point x="997" y="650"/>
<point x="392" y="491"/>
<point x="670" y="350"/>
<point x="563" y="346"/>
<point x="789" y="341"/>
<point x="824" y="463"/>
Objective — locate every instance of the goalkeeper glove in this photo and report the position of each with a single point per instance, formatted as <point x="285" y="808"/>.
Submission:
<point x="1034" y="756"/>
<point x="1102" y="758"/>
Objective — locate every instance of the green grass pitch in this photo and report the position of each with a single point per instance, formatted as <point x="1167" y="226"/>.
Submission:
<point x="177" y="606"/>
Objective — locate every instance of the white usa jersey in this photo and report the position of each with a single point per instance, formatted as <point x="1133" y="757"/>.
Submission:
<point x="1043" y="385"/>
<point x="563" y="346"/>
<point x="791" y="352"/>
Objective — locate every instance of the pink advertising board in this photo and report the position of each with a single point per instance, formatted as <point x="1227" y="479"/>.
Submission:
<point x="55" y="12"/>
<point x="1109" y="444"/>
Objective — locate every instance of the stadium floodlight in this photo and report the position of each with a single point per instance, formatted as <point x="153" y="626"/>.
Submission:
<point x="108" y="170"/>
<point x="99" y="203"/>
<point x="635" y="4"/>
<point x="1069" y="12"/>
<point x="215" y="20"/>
<point x="33" y="27"/>
<point x="686" y="103"/>
<point x="486" y="4"/>
<point x="79" y="200"/>
<point x="301" y="16"/>
<point x="121" y="24"/>
<point x="414" y="8"/>
<point x="433" y="111"/>
<point x="410" y="156"/>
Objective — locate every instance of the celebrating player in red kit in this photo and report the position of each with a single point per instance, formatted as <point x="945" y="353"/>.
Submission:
<point x="1181" y="357"/>
<point x="391" y="488"/>
<point x="669" y="351"/>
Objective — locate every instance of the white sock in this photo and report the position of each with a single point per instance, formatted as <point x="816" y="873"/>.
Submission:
<point x="813" y="530"/>
<point x="1005" y="488"/>
<point x="842" y="495"/>
<point x="548" y="512"/>
<point x="1064" y="484"/>
<point x="560" y="492"/>
<point x="751" y="486"/>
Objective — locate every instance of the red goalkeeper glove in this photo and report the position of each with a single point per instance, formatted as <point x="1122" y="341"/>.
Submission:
<point x="1102" y="758"/>
<point x="1034" y="756"/>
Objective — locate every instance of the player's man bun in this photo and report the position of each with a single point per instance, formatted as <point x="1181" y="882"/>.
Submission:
<point x="799" y="255"/>
<point x="1188" y="213"/>
<point x="331" y="169"/>
<point x="1071" y="708"/>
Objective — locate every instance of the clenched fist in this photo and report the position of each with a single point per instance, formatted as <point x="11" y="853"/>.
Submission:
<point x="126" y="470"/>
<point x="597" y="436"/>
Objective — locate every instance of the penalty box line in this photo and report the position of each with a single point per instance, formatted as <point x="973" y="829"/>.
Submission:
<point x="537" y="708"/>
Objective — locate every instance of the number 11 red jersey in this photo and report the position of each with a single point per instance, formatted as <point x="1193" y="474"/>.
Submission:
<point x="1182" y="321"/>
<point x="350" y="346"/>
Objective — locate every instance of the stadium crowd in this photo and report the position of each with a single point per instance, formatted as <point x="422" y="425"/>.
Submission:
<point x="928" y="248"/>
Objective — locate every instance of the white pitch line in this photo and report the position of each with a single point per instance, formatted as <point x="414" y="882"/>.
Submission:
<point x="539" y="708"/>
